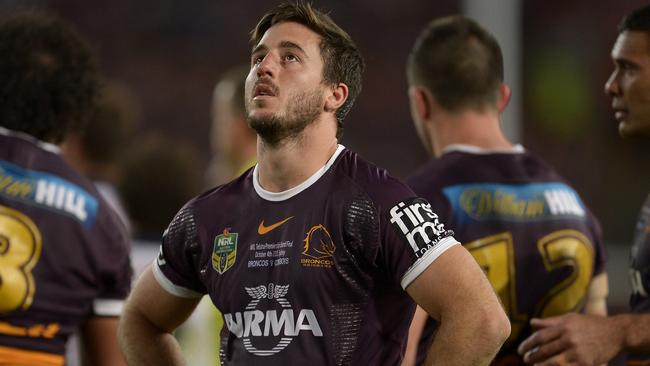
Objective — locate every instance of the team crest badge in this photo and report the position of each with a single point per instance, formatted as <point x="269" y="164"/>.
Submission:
<point x="224" y="252"/>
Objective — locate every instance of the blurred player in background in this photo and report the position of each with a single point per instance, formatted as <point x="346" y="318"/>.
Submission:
<point x="529" y="230"/>
<point x="64" y="258"/>
<point x="233" y="142"/>
<point x="97" y="150"/>
<point x="590" y="340"/>
<point x="313" y="253"/>
<point x="234" y="148"/>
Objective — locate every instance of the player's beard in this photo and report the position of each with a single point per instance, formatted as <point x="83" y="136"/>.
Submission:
<point x="302" y="110"/>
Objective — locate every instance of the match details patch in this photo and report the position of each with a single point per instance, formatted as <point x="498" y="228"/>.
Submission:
<point x="224" y="252"/>
<point x="418" y="224"/>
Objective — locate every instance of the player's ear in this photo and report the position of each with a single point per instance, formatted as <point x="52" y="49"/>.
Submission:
<point x="336" y="96"/>
<point x="420" y="103"/>
<point x="504" y="97"/>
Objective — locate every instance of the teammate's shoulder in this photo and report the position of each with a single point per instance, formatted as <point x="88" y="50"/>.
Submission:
<point x="431" y="174"/>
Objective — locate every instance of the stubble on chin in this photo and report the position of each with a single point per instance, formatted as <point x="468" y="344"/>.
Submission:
<point x="302" y="110"/>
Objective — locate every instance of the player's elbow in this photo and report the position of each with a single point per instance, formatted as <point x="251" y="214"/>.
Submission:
<point x="495" y="326"/>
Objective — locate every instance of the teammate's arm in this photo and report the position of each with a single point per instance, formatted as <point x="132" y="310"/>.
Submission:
<point x="596" y="303"/>
<point x="98" y="342"/>
<point x="415" y="333"/>
<point x="455" y="291"/>
<point x="586" y="339"/>
<point x="150" y="316"/>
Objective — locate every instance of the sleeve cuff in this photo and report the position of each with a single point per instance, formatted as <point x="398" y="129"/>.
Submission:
<point x="423" y="263"/>
<point x="107" y="307"/>
<point x="172" y="288"/>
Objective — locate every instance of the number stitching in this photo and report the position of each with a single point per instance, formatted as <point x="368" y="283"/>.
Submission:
<point x="495" y="254"/>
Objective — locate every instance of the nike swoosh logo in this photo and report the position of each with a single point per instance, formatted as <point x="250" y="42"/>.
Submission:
<point x="265" y="229"/>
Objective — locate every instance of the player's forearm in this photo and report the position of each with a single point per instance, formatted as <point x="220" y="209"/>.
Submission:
<point x="636" y="331"/>
<point x="144" y="344"/>
<point x="469" y="339"/>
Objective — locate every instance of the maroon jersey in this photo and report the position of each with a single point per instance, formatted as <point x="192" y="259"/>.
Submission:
<point x="63" y="253"/>
<point x="535" y="239"/>
<point x="640" y="273"/>
<point x="315" y="274"/>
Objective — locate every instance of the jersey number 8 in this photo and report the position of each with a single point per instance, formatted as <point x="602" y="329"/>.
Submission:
<point x="20" y="249"/>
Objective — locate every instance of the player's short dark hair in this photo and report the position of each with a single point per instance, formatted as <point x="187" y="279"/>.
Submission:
<point x="459" y="62"/>
<point x="48" y="77"/>
<point x="638" y="20"/>
<point x="342" y="60"/>
<point x="110" y="125"/>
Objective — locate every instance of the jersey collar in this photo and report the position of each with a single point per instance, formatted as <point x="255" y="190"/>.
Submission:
<point x="285" y="195"/>
<point x="27" y="137"/>
<point x="471" y="149"/>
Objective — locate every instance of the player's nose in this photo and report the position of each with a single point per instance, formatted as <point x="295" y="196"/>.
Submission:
<point x="612" y="86"/>
<point x="267" y="66"/>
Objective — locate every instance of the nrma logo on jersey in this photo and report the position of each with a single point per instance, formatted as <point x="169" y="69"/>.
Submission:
<point x="419" y="224"/>
<point x="265" y="333"/>
<point x="47" y="191"/>
<point x="514" y="202"/>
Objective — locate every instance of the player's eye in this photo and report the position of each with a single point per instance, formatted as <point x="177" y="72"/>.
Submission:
<point x="290" y="57"/>
<point x="626" y="66"/>
<point x="256" y="59"/>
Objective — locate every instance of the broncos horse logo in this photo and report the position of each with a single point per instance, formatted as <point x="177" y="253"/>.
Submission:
<point x="318" y="243"/>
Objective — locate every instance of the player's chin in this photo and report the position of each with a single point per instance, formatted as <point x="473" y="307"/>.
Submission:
<point x="629" y="129"/>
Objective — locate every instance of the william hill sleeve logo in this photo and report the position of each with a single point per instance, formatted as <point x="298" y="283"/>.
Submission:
<point x="418" y="224"/>
<point x="47" y="191"/>
<point x="514" y="202"/>
<point x="224" y="252"/>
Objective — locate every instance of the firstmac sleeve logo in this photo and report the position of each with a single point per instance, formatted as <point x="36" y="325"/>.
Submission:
<point x="419" y="224"/>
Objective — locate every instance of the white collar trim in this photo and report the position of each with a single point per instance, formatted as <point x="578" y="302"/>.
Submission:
<point x="285" y="195"/>
<point x="42" y="144"/>
<point x="471" y="149"/>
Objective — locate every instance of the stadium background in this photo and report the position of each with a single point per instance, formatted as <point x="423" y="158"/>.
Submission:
<point x="170" y="53"/>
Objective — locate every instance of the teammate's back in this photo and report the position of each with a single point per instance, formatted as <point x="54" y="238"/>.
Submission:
<point x="537" y="241"/>
<point x="64" y="260"/>
<point x="538" y="244"/>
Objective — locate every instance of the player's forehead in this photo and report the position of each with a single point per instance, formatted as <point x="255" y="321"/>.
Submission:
<point x="632" y="46"/>
<point x="290" y="35"/>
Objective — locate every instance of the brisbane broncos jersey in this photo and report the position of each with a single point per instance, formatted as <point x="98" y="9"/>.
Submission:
<point x="535" y="239"/>
<point x="315" y="274"/>
<point x="63" y="255"/>
<point x="640" y="273"/>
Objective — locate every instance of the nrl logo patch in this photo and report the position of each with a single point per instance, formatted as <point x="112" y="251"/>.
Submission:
<point x="224" y="251"/>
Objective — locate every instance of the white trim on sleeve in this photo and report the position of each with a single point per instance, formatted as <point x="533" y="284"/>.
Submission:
<point x="170" y="287"/>
<point x="108" y="307"/>
<point x="431" y="255"/>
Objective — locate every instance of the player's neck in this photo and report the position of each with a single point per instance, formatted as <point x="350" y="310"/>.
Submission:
<point x="292" y="161"/>
<point x="482" y="130"/>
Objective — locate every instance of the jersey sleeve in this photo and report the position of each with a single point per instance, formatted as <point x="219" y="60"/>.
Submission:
<point x="176" y="267"/>
<point x="412" y="235"/>
<point x="111" y="247"/>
